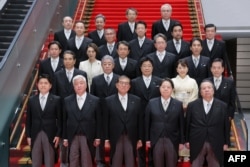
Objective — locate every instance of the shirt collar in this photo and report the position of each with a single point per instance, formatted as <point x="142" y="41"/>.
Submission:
<point x="83" y="96"/>
<point x="45" y="95"/>
<point x="141" y="39"/>
<point x="125" y="96"/>
<point x="110" y="75"/>
<point x="220" y="78"/>
<point x="176" y="40"/>
<point x="163" y="100"/>
<point x="163" y="53"/>
<point x="207" y="102"/>
<point x="67" y="31"/>
<point x="72" y="70"/>
<point x="126" y="59"/>
<point x="196" y="57"/>
<point x="54" y="59"/>
<point x="144" y="77"/>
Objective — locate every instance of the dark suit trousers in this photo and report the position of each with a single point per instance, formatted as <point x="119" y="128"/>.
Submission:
<point x="207" y="152"/>
<point x="79" y="150"/>
<point x="164" y="152"/>
<point x="42" y="148"/>
<point x="124" y="149"/>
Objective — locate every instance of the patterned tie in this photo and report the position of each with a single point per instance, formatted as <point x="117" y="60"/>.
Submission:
<point x="165" y="105"/>
<point x="123" y="64"/>
<point x="123" y="102"/>
<point x="54" y="65"/>
<point x="166" y="25"/>
<point x="69" y="76"/>
<point x="196" y="62"/>
<point x="208" y="108"/>
<point x="131" y="27"/>
<point x="80" y="102"/>
<point x="161" y="56"/>
<point x="140" y="42"/>
<point x="177" y="46"/>
<point x="42" y="102"/>
<point x="147" y="82"/>
<point x="78" y="43"/>
<point x="217" y="83"/>
<point x="110" y="47"/>
<point x="108" y="79"/>
<point x="210" y="45"/>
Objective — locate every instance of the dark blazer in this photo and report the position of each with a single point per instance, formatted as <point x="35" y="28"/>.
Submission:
<point x="130" y="69"/>
<point x="96" y="39"/>
<point x="81" y="54"/>
<point x="184" y="51"/>
<point x="46" y="68"/>
<point x="103" y="50"/>
<point x="124" y="32"/>
<point x="202" y="71"/>
<point x="139" y="89"/>
<point x="63" y="87"/>
<point x="137" y="52"/>
<point x="49" y="120"/>
<point x="158" y="27"/>
<point x="163" y="69"/>
<point x="226" y="93"/>
<point x="88" y="119"/>
<point x="170" y="122"/>
<point x="101" y="89"/>
<point x="117" y="121"/>
<point x="61" y="38"/>
<point x="218" y="50"/>
<point x="212" y="127"/>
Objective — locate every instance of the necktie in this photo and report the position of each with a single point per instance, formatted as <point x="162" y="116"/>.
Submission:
<point x="123" y="64"/>
<point x="78" y="43"/>
<point x="165" y="105"/>
<point x="210" y="45"/>
<point x="131" y="27"/>
<point x="67" y="34"/>
<point x="54" y="65"/>
<point x="140" y="42"/>
<point x="69" y="75"/>
<point x="147" y="82"/>
<point x="99" y="34"/>
<point x="217" y="83"/>
<point x="108" y="79"/>
<point x="123" y="101"/>
<point x="42" y="102"/>
<point x="177" y="46"/>
<point x="110" y="47"/>
<point x="80" y="102"/>
<point x="208" y="108"/>
<point x="196" y="62"/>
<point x="166" y="25"/>
<point x="160" y="57"/>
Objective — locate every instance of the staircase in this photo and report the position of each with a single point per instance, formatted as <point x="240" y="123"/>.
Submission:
<point x="148" y="10"/>
<point x="11" y="18"/>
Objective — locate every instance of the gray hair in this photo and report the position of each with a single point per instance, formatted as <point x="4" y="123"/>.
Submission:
<point x="108" y="57"/>
<point x="78" y="77"/>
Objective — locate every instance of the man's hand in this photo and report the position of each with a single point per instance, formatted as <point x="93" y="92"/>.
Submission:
<point x="97" y="142"/>
<point x="139" y="144"/>
<point x="65" y="143"/>
<point x="56" y="141"/>
<point x="29" y="141"/>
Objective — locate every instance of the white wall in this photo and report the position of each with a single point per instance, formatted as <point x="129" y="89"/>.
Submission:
<point x="2" y="2"/>
<point x="230" y="16"/>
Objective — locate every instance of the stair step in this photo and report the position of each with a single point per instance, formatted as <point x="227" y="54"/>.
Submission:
<point x="13" y="16"/>
<point x="25" y="161"/>
<point x="4" y="45"/>
<point x="18" y="6"/>
<point x="15" y="11"/>
<point x="6" y="38"/>
<point x="2" y="52"/>
<point x="26" y="148"/>
<point x="8" y="33"/>
<point x="9" y="26"/>
<point x="11" y="21"/>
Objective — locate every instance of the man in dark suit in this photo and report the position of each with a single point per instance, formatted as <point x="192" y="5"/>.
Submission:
<point x="123" y="64"/>
<point x="79" y="43"/>
<point x="126" y="30"/>
<point x="146" y="87"/>
<point x="82" y="124"/>
<point x="108" y="48"/>
<point x="63" y="78"/>
<point x="164" y="126"/>
<point x="44" y="124"/>
<point x="207" y="128"/>
<point x="52" y="64"/>
<point x="103" y="86"/>
<point x="123" y="124"/>
<point x="212" y="47"/>
<point x="98" y="35"/>
<point x="164" y="25"/>
<point x="62" y="36"/>
<point x="177" y="45"/>
<point x="141" y="46"/>
<point x="224" y="87"/>
<point x="163" y="62"/>
<point x="198" y="65"/>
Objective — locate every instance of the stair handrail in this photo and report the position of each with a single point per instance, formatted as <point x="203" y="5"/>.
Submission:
<point x="23" y="107"/>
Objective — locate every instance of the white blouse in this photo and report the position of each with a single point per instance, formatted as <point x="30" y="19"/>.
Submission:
<point x="92" y="69"/>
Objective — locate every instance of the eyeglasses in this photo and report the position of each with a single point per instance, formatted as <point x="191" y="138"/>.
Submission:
<point x="123" y="83"/>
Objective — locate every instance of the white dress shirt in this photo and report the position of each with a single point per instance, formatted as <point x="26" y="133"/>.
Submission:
<point x="123" y="100"/>
<point x="147" y="80"/>
<point x="43" y="100"/>
<point x="67" y="33"/>
<point x="207" y="105"/>
<point x="165" y="103"/>
<point x="123" y="62"/>
<point x="81" y="100"/>
<point x="54" y="63"/>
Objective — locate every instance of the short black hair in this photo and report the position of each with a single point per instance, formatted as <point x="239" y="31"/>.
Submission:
<point x="167" y="80"/>
<point x="44" y="76"/>
<point x="141" y="22"/>
<point x="55" y="43"/>
<point x="209" y="26"/>
<point x="218" y="60"/>
<point x="144" y="59"/>
<point x="176" y="24"/>
<point x="123" y="43"/>
<point x="70" y="52"/>
<point x="195" y="39"/>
